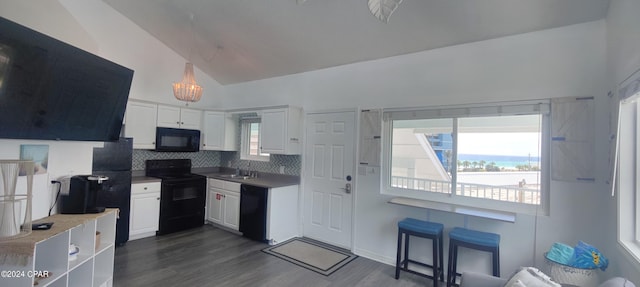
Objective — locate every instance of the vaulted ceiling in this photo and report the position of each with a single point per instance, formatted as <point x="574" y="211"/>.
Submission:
<point x="236" y="41"/>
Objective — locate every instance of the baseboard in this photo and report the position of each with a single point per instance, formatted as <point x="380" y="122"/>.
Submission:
<point x="141" y="235"/>
<point x="375" y="256"/>
<point x="236" y="232"/>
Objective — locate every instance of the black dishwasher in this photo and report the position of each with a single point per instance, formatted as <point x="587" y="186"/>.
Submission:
<point x="253" y="212"/>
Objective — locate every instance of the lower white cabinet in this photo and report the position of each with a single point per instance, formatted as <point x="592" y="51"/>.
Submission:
<point x="145" y="210"/>
<point x="49" y="263"/>
<point x="223" y="203"/>
<point x="282" y="214"/>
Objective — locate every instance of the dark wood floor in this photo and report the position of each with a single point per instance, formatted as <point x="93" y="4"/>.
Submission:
<point x="209" y="256"/>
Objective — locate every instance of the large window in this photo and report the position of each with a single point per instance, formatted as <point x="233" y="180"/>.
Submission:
<point x="490" y="156"/>
<point x="629" y="175"/>
<point x="250" y="141"/>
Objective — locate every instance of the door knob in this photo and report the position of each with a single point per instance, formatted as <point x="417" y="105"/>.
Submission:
<point x="347" y="188"/>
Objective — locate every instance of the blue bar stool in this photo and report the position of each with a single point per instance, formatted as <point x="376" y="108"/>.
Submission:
<point x="425" y="229"/>
<point x="462" y="237"/>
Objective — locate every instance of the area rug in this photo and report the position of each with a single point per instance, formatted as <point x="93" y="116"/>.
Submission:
<point x="313" y="255"/>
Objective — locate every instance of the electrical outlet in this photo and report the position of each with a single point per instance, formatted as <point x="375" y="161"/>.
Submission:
<point x="282" y="169"/>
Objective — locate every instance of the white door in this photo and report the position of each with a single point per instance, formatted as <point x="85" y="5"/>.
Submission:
<point x="329" y="169"/>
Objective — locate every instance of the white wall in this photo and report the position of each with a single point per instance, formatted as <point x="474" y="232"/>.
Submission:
<point x="623" y="58"/>
<point x="563" y="62"/>
<point x="93" y="26"/>
<point x="553" y="63"/>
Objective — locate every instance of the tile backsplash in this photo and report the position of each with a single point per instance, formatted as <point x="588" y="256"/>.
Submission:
<point x="291" y="163"/>
<point x="198" y="159"/>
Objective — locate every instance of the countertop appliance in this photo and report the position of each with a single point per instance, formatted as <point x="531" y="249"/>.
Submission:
<point x="114" y="161"/>
<point x="177" y="140"/>
<point x="79" y="194"/>
<point x="182" y="194"/>
<point x="253" y="212"/>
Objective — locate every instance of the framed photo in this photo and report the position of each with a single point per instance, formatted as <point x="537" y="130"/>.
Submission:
<point x="39" y="154"/>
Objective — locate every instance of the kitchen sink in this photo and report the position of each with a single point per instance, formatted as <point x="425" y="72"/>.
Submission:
<point x="235" y="176"/>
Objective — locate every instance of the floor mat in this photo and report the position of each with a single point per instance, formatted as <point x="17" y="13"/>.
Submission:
<point x="316" y="256"/>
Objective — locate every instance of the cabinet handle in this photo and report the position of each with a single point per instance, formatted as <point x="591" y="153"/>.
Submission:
<point x="145" y="188"/>
<point x="157" y="198"/>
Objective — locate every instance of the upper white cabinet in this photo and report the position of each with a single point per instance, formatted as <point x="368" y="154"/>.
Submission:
<point x="280" y="130"/>
<point x="176" y="117"/>
<point x="141" y="124"/>
<point x="220" y="131"/>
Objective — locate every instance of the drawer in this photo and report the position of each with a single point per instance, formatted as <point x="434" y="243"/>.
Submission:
<point x="138" y="188"/>
<point x="223" y="184"/>
<point x="232" y="186"/>
<point x="216" y="183"/>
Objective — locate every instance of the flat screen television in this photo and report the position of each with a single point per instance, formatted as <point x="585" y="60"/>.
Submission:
<point x="50" y="90"/>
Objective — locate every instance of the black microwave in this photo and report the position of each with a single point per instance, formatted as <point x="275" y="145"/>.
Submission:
<point x="177" y="140"/>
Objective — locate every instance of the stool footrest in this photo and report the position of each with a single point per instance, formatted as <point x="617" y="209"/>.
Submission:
<point x="436" y="273"/>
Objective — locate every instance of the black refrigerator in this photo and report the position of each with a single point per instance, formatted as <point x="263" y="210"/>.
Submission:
<point x="114" y="161"/>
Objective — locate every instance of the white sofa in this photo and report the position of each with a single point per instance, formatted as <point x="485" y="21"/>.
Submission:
<point x="472" y="279"/>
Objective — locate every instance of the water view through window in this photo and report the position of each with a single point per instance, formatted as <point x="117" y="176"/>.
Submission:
<point x="494" y="158"/>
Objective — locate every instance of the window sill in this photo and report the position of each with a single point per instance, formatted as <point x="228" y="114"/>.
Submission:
<point x="632" y="248"/>
<point x="458" y="209"/>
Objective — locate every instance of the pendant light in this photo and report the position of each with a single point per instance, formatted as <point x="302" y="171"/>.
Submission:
<point x="188" y="90"/>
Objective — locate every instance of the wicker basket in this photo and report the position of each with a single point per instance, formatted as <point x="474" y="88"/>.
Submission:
<point x="565" y="274"/>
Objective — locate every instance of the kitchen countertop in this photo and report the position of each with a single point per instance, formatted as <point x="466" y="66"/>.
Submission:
<point x="143" y="179"/>
<point x="268" y="180"/>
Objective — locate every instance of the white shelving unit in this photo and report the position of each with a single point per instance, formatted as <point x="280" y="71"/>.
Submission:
<point x="93" y="265"/>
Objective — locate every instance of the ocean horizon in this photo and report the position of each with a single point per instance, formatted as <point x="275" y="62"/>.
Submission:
<point x="501" y="160"/>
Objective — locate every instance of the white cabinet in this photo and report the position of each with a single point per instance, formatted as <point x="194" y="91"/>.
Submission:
<point x="220" y="131"/>
<point x="223" y="203"/>
<point x="176" y="117"/>
<point x="280" y="130"/>
<point x="145" y="210"/>
<point x="231" y="210"/>
<point x="140" y="124"/>
<point x="93" y="234"/>
<point x="282" y="214"/>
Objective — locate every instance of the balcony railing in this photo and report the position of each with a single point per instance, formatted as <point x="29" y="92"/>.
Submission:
<point x="502" y="193"/>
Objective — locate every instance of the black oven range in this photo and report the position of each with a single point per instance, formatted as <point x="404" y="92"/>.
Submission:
<point x="182" y="195"/>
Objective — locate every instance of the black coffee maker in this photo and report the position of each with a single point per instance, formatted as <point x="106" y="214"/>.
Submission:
<point x="80" y="193"/>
